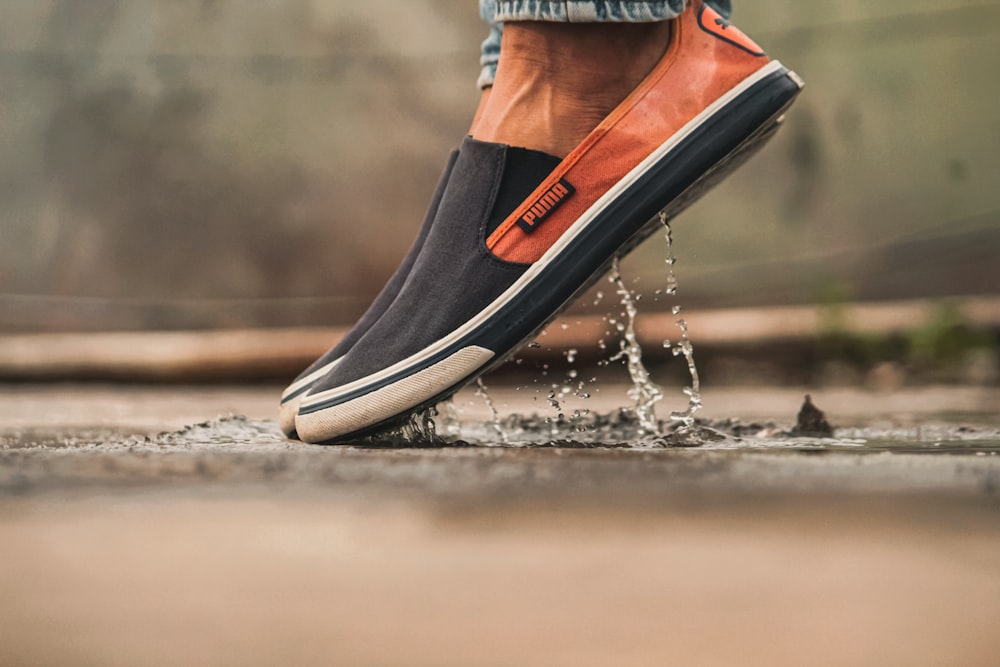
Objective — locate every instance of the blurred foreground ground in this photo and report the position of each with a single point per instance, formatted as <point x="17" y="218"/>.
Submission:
<point x="136" y="532"/>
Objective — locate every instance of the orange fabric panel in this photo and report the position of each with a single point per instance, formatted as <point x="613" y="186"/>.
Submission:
<point x="699" y="66"/>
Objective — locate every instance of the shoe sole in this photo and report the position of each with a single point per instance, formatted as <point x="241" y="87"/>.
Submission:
<point x="707" y="149"/>
<point x="292" y="396"/>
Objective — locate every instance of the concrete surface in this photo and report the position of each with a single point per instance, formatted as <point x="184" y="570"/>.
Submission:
<point x="141" y="526"/>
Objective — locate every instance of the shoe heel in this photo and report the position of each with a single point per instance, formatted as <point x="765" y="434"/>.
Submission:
<point x="717" y="173"/>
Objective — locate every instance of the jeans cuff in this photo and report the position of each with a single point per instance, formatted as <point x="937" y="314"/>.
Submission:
<point x="589" y="11"/>
<point x="487" y="75"/>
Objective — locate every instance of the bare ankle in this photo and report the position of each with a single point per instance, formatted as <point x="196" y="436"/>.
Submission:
<point x="556" y="82"/>
<point x="484" y="97"/>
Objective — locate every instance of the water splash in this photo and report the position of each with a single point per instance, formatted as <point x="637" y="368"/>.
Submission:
<point x="448" y="421"/>
<point x="421" y="427"/>
<point x="483" y="393"/>
<point x="644" y="392"/>
<point x="671" y="287"/>
<point x="639" y="423"/>
<point x="559" y="394"/>
<point x="418" y="428"/>
<point x="684" y="347"/>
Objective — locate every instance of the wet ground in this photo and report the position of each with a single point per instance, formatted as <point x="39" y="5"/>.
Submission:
<point x="175" y="526"/>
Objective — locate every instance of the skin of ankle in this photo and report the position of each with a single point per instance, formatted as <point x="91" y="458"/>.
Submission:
<point x="557" y="81"/>
<point x="484" y="97"/>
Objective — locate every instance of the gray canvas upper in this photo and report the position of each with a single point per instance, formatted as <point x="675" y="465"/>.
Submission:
<point x="455" y="275"/>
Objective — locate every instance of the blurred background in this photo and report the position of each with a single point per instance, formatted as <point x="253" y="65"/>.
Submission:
<point x="193" y="165"/>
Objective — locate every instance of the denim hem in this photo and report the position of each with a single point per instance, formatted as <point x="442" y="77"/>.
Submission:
<point x="491" y="46"/>
<point x="588" y="11"/>
<point x="487" y="75"/>
<point x="497" y="11"/>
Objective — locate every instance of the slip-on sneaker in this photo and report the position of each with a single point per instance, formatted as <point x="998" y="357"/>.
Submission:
<point x="489" y="279"/>
<point x="294" y="392"/>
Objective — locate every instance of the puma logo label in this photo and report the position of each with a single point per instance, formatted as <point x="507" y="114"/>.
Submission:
<point x="545" y="204"/>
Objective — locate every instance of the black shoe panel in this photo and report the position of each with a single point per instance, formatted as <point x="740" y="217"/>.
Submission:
<point x="389" y="291"/>
<point x="455" y="276"/>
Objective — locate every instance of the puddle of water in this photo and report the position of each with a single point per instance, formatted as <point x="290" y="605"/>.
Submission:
<point x="616" y="430"/>
<point x="622" y="429"/>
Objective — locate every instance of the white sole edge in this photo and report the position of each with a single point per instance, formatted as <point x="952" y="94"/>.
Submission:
<point x="308" y="380"/>
<point x="392" y="400"/>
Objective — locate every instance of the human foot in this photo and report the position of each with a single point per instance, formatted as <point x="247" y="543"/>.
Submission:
<point x="556" y="81"/>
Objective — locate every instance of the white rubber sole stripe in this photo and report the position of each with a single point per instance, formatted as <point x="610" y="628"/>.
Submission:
<point x="397" y="398"/>
<point x="287" y="412"/>
<point x="588" y="216"/>
<point x="288" y="407"/>
<point x="302" y="385"/>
